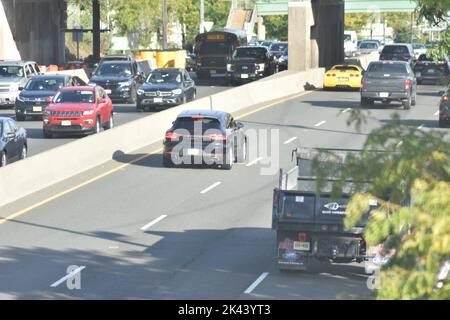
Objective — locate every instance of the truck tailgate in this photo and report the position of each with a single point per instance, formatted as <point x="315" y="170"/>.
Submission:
<point x="384" y="83"/>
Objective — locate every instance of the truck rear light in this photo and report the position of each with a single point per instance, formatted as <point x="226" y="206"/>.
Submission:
<point x="407" y="84"/>
<point x="172" y="135"/>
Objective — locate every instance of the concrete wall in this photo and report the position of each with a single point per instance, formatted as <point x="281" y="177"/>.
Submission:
<point x="45" y="169"/>
<point x="37" y="28"/>
<point x="8" y="48"/>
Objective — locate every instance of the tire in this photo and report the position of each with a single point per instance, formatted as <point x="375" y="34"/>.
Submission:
<point x="241" y="156"/>
<point x="194" y="96"/>
<point x="98" y="126"/>
<point x="3" y="159"/>
<point x="184" y="101"/>
<point x="110" y="123"/>
<point x="407" y="104"/>
<point x="167" y="162"/>
<point x="24" y="153"/>
<point x="47" y="135"/>
<point x="20" y="117"/>
<point x="228" y="165"/>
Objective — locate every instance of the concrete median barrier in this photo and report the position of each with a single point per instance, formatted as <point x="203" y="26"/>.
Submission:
<point x="364" y="60"/>
<point x="45" y="169"/>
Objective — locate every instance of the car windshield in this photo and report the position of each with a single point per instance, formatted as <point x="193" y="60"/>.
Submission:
<point x="345" y="68"/>
<point x="45" y="84"/>
<point x="164" y="77"/>
<point x="11" y="71"/>
<point x="203" y="124"/>
<point x="258" y="53"/>
<point x="110" y="69"/>
<point x="368" y="45"/>
<point x="75" y="96"/>
<point x="387" y="68"/>
<point x="395" y="49"/>
<point x="424" y="57"/>
<point x="278" y="47"/>
<point x="215" y="48"/>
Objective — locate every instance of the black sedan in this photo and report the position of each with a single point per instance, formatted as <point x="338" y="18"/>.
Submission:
<point x="444" y="110"/>
<point x="13" y="142"/>
<point x="205" y="137"/>
<point x="166" y="88"/>
<point x="38" y="92"/>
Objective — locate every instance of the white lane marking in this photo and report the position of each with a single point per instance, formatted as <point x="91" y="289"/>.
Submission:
<point x="256" y="283"/>
<point x="70" y="275"/>
<point x="421" y="126"/>
<point x="152" y="223"/>
<point x="211" y="187"/>
<point x="320" y="123"/>
<point x="436" y="113"/>
<point x="254" y="162"/>
<point x="333" y="276"/>
<point x="346" y="110"/>
<point x="290" y="140"/>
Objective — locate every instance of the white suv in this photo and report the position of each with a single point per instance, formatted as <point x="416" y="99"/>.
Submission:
<point x="13" y="76"/>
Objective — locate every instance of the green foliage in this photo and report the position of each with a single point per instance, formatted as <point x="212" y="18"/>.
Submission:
<point x="276" y="27"/>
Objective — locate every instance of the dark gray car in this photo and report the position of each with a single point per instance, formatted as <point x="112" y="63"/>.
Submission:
<point x="388" y="81"/>
<point x="13" y="142"/>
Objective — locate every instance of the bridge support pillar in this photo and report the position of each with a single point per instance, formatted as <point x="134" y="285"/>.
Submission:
<point x="261" y="29"/>
<point x="301" y="19"/>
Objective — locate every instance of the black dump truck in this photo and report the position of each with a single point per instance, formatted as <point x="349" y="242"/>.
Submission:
<point x="309" y="223"/>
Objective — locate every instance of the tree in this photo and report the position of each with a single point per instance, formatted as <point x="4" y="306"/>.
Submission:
<point x="276" y="27"/>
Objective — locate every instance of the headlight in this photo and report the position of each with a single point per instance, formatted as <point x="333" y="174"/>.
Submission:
<point x="177" y="91"/>
<point x="230" y="67"/>
<point x="88" y="112"/>
<point x="140" y="92"/>
<point x="125" y="84"/>
<point x="260" y="67"/>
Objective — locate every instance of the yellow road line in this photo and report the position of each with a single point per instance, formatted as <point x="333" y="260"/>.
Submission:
<point x="81" y="185"/>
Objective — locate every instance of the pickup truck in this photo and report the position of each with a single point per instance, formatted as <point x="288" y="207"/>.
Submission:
<point x="388" y="81"/>
<point x="309" y="224"/>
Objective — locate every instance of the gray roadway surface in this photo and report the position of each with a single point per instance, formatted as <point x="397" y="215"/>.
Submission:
<point x="210" y="246"/>
<point x="123" y="113"/>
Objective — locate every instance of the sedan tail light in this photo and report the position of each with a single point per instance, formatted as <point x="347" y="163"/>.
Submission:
<point x="172" y="135"/>
<point x="407" y="84"/>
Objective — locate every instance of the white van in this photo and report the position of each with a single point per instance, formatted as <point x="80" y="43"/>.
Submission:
<point x="350" y="43"/>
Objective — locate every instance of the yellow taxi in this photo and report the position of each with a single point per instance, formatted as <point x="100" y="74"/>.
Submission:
<point x="343" y="77"/>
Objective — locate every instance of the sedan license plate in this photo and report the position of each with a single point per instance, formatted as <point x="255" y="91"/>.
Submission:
<point x="157" y="100"/>
<point x="108" y="91"/>
<point x="66" y="123"/>
<point x="37" y="109"/>
<point x="384" y="94"/>
<point x="193" y="152"/>
<point x="342" y="79"/>
<point x="213" y="71"/>
<point x="244" y="76"/>
<point x="431" y="70"/>
<point x="301" y="246"/>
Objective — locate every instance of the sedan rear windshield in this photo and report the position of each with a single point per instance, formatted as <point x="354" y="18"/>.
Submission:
<point x="199" y="124"/>
<point x="368" y="45"/>
<point x="395" y="50"/>
<point x="345" y="68"/>
<point x="387" y="68"/>
<point x="424" y="57"/>
<point x="44" y="84"/>
<point x="75" y="96"/>
<point x="278" y="47"/>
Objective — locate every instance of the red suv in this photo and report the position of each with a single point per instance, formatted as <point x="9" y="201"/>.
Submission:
<point x="78" y="110"/>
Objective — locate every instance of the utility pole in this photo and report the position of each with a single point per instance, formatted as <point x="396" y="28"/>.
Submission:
<point x="164" y="24"/>
<point x="96" y="29"/>
<point x="202" y="16"/>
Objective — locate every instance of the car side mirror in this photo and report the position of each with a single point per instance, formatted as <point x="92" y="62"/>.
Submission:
<point x="21" y="88"/>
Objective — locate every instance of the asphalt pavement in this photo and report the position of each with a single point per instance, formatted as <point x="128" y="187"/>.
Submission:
<point x="148" y="232"/>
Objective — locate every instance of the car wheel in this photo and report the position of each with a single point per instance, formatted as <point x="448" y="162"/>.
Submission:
<point x="98" y="126"/>
<point x="20" y="117"/>
<point x="3" y="160"/>
<point x="110" y="123"/>
<point x="167" y="162"/>
<point x="194" y="96"/>
<point x="47" y="135"/>
<point x="229" y="159"/>
<point x="24" y="153"/>
<point x="242" y="154"/>
<point x="407" y="104"/>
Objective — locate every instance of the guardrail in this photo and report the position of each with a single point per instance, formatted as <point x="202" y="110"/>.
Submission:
<point x="48" y="168"/>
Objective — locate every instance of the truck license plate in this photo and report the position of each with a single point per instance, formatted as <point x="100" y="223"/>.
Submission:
<point x="384" y="94"/>
<point x="301" y="246"/>
<point x="66" y="123"/>
<point x="37" y="109"/>
<point x="244" y="76"/>
<point x="157" y="100"/>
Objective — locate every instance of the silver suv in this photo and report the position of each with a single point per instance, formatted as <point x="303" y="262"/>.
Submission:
<point x="13" y="77"/>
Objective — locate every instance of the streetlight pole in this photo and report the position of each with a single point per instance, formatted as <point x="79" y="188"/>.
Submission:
<point x="164" y="24"/>
<point x="202" y="16"/>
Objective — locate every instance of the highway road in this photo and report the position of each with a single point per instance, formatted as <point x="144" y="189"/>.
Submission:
<point x="147" y="232"/>
<point x="123" y="113"/>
